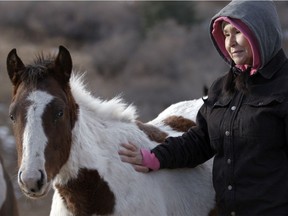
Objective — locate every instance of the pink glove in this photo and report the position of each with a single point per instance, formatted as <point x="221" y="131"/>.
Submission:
<point x="149" y="159"/>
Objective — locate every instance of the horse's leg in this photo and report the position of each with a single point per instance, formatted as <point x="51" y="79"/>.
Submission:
<point x="8" y="203"/>
<point x="58" y="206"/>
<point x="3" y="187"/>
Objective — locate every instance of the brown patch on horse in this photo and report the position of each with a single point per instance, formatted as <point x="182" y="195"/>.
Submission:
<point x="70" y="111"/>
<point x="87" y="194"/>
<point x="154" y="133"/>
<point x="18" y="127"/>
<point x="179" y="123"/>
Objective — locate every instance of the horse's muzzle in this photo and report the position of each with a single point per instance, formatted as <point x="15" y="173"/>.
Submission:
<point x="33" y="183"/>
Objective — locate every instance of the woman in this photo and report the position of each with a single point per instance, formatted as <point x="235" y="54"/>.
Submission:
<point x="243" y="122"/>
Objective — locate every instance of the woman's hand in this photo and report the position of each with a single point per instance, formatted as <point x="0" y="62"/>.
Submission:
<point x="130" y="153"/>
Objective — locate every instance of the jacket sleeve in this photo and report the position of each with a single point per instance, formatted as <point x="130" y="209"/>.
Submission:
<point x="188" y="150"/>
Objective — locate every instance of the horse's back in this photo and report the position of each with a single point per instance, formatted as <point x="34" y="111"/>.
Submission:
<point x="187" y="109"/>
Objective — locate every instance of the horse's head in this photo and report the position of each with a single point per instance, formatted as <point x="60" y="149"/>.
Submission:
<point x="43" y="113"/>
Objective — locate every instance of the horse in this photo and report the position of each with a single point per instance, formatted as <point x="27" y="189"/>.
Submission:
<point x="68" y="139"/>
<point x="8" y="203"/>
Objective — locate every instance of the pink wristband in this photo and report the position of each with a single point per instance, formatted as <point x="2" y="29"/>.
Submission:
<point x="149" y="159"/>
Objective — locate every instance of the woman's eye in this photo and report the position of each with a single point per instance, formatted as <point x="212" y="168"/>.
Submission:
<point x="226" y="35"/>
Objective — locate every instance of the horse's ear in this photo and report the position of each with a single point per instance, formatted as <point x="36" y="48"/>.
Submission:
<point x="63" y="62"/>
<point x="14" y="66"/>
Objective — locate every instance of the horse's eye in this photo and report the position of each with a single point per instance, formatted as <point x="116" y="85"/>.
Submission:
<point x="12" y="117"/>
<point x="60" y="114"/>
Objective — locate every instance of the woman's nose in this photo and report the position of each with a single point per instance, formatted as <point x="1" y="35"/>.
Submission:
<point x="232" y="41"/>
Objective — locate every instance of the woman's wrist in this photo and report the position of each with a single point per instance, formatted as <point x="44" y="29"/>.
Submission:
<point x="149" y="159"/>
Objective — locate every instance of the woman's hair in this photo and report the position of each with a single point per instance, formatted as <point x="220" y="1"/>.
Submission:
<point x="223" y="24"/>
<point x="237" y="80"/>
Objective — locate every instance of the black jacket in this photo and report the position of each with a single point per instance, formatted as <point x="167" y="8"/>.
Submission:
<point x="248" y="135"/>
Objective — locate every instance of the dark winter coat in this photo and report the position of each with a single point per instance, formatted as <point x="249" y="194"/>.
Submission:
<point x="247" y="133"/>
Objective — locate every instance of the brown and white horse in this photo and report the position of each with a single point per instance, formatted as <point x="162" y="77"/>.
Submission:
<point x="8" y="203"/>
<point x="69" y="139"/>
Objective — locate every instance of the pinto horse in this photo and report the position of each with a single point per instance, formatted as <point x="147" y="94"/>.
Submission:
<point x="8" y="203"/>
<point x="69" y="139"/>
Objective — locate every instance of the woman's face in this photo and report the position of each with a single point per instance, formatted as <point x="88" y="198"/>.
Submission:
<point x="237" y="45"/>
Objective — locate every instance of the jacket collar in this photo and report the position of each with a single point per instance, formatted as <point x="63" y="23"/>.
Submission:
<point x="273" y="65"/>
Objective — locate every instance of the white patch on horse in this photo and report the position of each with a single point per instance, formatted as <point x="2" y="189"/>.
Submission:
<point x="34" y="138"/>
<point x="59" y="207"/>
<point x="3" y="186"/>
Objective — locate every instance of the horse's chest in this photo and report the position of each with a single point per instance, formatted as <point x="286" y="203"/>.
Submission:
<point x="88" y="194"/>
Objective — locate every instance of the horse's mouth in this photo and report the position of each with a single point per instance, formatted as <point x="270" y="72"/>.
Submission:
<point x="36" y="195"/>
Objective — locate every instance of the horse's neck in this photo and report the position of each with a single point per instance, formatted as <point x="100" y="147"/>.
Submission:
<point x="95" y="142"/>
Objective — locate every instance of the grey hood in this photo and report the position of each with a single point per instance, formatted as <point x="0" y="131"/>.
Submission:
<point x="261" y="18"/>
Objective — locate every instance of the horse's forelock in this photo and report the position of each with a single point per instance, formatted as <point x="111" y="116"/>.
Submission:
<point x="38" y="70"/>
<point x="42" y="59"/>
<point x="33" y="73"/>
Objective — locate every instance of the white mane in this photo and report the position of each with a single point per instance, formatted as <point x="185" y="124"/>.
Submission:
<point x="112" y="109"/>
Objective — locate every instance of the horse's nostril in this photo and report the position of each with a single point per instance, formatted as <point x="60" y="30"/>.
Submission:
<point x="40" y="182"/>
<point x="19" y="176"/>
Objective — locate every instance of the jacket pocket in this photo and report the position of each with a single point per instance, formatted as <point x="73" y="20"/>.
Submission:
<point x="218" y="111"/>
<point x="262" y="117"/>
<point x="262" y="102"/>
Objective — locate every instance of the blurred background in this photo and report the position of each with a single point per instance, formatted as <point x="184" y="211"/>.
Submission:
<point x="152" y="53"/>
